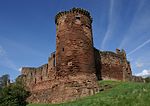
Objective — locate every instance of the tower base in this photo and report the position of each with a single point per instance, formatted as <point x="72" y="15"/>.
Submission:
<point x="64" y="89"/>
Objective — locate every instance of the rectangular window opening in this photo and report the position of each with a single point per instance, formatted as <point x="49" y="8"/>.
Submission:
<point x="63" y="49"/>
<point x="78" y="18"/>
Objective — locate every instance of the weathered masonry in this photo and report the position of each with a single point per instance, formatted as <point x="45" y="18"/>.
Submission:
<point x="73" y="70"/>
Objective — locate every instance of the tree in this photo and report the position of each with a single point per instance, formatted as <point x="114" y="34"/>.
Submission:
<point x="14" y="94"/>
<point x="4" y="80"/>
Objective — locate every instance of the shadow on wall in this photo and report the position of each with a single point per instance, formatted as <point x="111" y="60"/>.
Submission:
<point x="97" y="64"/>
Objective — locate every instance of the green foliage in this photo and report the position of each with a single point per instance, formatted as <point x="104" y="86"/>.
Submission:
<point x="122" y="94"/>
<point x="4" y="80"/>
<point x="147" y="79"/>
<point x="13" y="95"/>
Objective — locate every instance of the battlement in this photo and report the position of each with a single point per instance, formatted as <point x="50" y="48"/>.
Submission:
<point x="73" y="10"/>
<point x="30" y="70"/>
<point x="108" y="53"/>
<point x="119" y="53"/>
<point x="112" y="57"/>
<point x="27" y="70"/>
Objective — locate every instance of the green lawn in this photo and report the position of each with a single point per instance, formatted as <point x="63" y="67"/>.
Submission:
<point x="121" y="94"/>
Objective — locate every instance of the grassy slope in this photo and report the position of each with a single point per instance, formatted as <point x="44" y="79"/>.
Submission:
<point x="122" y="94"/>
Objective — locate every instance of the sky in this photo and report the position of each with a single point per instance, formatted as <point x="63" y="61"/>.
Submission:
<point x="28" y="31"/>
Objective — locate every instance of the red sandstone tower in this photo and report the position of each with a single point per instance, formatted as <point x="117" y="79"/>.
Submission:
<point x="71" y="71"/>
<point x="74" y="43"/>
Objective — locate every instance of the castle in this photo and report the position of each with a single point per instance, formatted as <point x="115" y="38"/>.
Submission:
<point x="76" y="66"/>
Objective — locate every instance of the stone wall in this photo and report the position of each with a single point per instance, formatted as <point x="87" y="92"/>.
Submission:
<point x="112" y="66"/>
<point x="73" y="70"/>
<point x="75" y="62"/>
<point x="137" y="79"/>
<point x="74" y="43"/>
<point x="70" y="72"/>
<point x="47" y="87"/>
<point x="62" y="90"/>
<point x="35" y="76"/>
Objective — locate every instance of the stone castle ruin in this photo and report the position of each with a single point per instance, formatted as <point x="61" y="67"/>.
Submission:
<point x="76" y="66"/>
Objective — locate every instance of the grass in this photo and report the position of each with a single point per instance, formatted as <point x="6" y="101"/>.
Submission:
<point x="121" y="94"/>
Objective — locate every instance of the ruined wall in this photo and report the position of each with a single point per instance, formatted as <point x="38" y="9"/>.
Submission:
<point x="75" y="64"/>
<point x="72" y="71"/>
<point x="137" y="79"/>
<point x="113" y="66"/>
<point x="35" y="76"/>
<point x="52" y="66"/>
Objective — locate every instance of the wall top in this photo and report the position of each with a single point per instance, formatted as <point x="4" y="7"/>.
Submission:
<point x="119" y="53"/>
<point x="73" y="10"/>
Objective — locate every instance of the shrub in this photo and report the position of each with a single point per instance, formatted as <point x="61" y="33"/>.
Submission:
<point x="13" y="95"/>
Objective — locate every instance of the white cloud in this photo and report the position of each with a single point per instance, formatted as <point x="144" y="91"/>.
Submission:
<point x="139" y="47"/>
<point x="110" y="25"/>
<point x="138" y="24"/>
<point x="138" y="64"/>
<point x="144" y="73"/>
<point x="20" y="69"/>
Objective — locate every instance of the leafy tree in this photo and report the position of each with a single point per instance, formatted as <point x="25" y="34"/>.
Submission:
<point x="4" y="80"/>
<point x="14" y="94"/>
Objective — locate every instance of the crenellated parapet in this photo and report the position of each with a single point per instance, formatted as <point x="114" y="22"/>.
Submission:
<point x="27" y="70"/>
<point x="72" y="11"/>
<point x="121" y="53"/>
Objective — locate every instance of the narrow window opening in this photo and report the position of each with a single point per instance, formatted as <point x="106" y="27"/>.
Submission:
<point x="41" y="78"/>
<point x="35" y="80"/>
<point x="53" y="55"/>
<point x="46" y="72"/>
<point x="77" y="17"/>
<point x="63" y="49"/>
<point x="54" y="62"/>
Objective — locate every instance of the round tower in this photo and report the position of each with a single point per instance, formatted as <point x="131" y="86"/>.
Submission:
<point x="74" y="43"/>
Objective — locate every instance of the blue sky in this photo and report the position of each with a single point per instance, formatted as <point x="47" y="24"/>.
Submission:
<point x="27" y="30"/>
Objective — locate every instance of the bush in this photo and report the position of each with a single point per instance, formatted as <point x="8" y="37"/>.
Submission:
<point x="13" y="95"/>
<point x="4" y="80"/>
